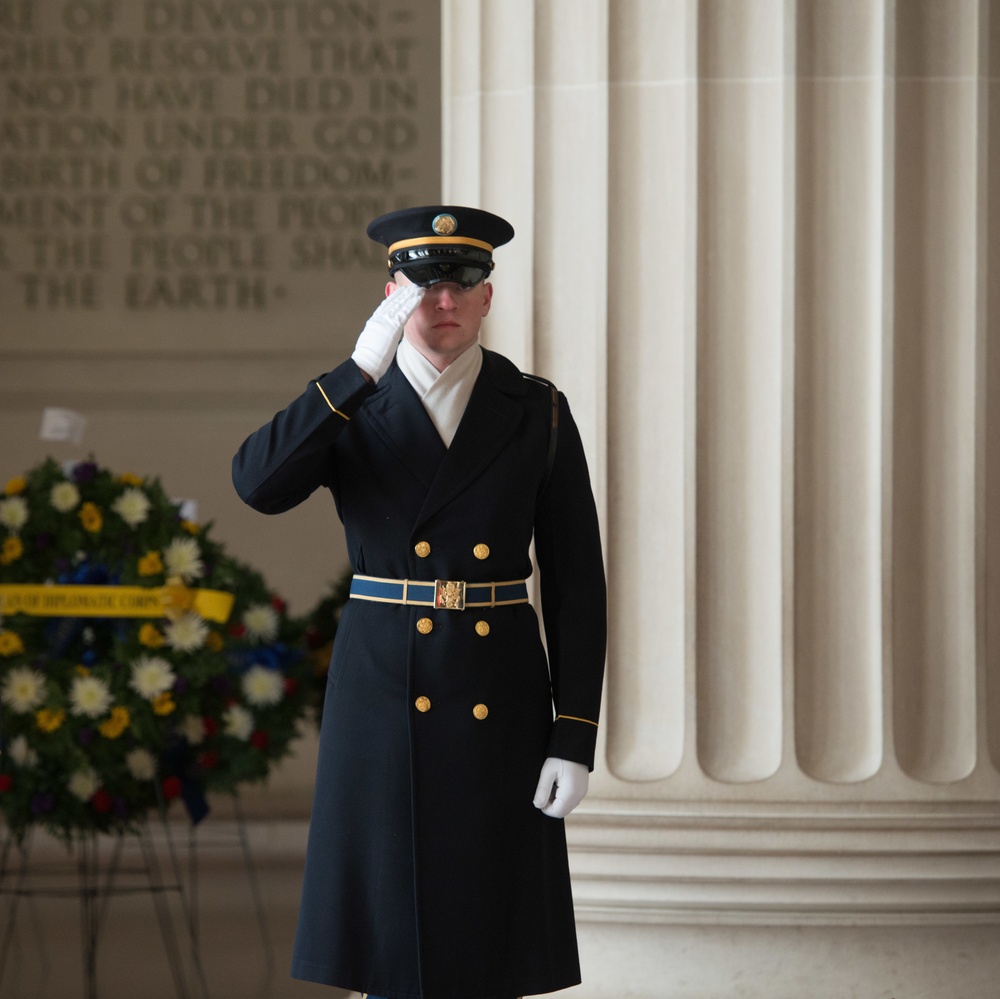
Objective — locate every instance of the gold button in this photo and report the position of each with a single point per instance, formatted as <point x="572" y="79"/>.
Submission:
<point x="482" y="628"/>
<point x="422" y="704"/>
<point x="425" y="626"/>
<point x="422" y="548"/>
<point x="480" y="711"/>
<point x="481" y="551"/>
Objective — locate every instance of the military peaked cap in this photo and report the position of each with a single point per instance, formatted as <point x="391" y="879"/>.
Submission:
<point x="436" y="243"/>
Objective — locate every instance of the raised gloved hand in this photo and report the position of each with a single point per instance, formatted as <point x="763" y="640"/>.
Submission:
<point x="377" y="343"/>
<point x="561" y="787"/>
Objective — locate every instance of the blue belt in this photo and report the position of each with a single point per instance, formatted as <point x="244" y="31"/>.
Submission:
<point x="443" y="594"/>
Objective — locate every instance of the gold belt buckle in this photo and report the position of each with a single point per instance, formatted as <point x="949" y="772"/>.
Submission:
<point x="449" y="594"/>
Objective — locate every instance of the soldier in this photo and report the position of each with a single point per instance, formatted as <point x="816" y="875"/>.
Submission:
<point x="453" y="741"/>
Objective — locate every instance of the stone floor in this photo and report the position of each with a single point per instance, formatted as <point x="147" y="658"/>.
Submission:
<point x="244" y="919"/>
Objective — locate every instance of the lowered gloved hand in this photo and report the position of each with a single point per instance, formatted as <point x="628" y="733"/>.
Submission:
<point x="377" y="343"/>
<point x="561" y="787"/>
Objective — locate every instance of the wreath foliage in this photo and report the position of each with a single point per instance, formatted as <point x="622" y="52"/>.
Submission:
<point x="105" y="717"/>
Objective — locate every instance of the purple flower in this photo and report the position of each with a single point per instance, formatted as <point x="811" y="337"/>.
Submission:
<point x="120" y="807"/>
<point x="221" y="685"/>
<point x="43" y="541"/>
<point x="85" y="736"/>
<point x="181" y="685"/>
<point x="84" y="471"/>
<point x="42" y="802"/>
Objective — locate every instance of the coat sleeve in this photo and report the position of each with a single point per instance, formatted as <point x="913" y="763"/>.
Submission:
<point x="574" y="595"/>
<point x="286" y="460"/>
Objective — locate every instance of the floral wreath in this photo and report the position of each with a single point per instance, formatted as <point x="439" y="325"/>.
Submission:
<point x="138" y="662"/>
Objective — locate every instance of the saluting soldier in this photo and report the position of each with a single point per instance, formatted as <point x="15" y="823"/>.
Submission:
<point x="453" y="741"/>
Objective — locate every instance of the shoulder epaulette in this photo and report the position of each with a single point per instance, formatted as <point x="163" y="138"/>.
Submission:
<point x="554" y="427"/>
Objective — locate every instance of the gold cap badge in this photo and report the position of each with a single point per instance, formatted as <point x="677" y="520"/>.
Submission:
<point x="445" y="225"/>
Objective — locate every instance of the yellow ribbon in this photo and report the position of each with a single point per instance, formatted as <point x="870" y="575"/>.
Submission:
<point x="67" y="600"/>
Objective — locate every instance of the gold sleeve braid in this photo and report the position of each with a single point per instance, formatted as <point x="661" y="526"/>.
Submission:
<point x="330" y="404"/>
<point x="586" y="721"/>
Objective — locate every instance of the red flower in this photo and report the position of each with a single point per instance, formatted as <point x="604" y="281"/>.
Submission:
<point x="279" y="605"/>
<point x="172" y="788"/>
<point x="259" y="739"/>
<point x="101" y="801"/>
<point x="291" y="685"/>
<point x="211" y="726"/>
<point x="6" y="782"/>
<point x="208" y="760"/>
<point x="237" y="630"/>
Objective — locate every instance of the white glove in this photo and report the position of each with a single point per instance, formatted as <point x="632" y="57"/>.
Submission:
<point x="377" y="343"/>
<point x="561" y="787"/>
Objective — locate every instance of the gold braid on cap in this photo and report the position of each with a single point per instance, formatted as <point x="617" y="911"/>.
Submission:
<point x="438" y="240"/>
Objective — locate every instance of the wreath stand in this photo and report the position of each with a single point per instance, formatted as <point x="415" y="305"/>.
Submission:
<point x="94" y="875"/>
<point x="198" y="842"/>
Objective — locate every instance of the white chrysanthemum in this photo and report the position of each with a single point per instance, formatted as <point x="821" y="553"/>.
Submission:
<point x="193" y="729"/>
<point x="84" y="784"/>
<point x="237" y="722"/>
<point x="263" y="687"/>
<point x="151" y="676"/>
<point x="23" y="689"/>
<point x="64" y="496"/>
<point x="14" y="512"/>
<point x="261" y="622"/>
<point x="182" y="557"/>
<point x="187" y="633"/>
<point x="141" y="763"/>
<point x="89" y="696"/>
<point x="22" y="753"/>
<point x="132" y="506"/>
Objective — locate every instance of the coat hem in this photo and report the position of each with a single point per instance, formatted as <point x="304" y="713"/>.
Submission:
<point x="306" y="971"/>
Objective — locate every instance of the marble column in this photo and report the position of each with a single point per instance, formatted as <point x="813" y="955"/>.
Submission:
<point x="757" y="247"/>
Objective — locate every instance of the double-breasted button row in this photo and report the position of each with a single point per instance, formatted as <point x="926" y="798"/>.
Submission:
<point x="423" y="705"/>
<point x="425" y="626"/>
<point x="423" y="549"/>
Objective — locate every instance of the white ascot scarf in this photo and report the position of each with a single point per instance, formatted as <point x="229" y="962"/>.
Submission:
<point x="445" y="394"/>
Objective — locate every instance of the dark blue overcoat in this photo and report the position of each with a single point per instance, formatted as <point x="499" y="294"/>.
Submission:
<point x="429" y="872"/>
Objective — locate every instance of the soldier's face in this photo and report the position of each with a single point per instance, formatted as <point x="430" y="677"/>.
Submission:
<point x="447" y="320"/>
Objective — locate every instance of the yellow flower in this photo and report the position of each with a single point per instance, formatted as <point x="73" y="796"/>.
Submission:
<point x="81" y="670"/>
<point x="163" y="704"/>
<point x="48" y="720"/>
<point x="190" y="526"/>
<point x="150" y="564"/>
<point x="11" y="550"/>
<point x="129" y="479"/>
<point x="150" y="636"/>
<point x="91" y="518"/>
<point x="214" y="642"/>
<point x="113" y="727"/>
<point x="10" y="644"/>
<point x="16" y="485"/>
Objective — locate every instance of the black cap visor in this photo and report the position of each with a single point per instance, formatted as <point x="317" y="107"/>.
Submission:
<point x="464" y="265"/>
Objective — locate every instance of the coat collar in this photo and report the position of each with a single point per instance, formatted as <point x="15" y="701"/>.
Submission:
<point x="494" y="413"/>
<point x="399" y="418"/>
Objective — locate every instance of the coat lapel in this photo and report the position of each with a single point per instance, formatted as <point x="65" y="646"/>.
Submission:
<point x="400" y="420"/>
<point x="493" y="415"/>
